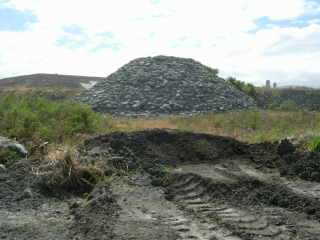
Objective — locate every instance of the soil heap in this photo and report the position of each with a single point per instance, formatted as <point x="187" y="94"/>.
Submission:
<point x="164" y="85"/>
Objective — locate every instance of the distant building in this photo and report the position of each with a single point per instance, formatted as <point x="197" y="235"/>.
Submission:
<point x="268" y="84"/>
<point x="274" y="85"/>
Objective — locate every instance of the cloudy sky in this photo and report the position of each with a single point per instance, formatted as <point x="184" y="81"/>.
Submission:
<point x="252" y="40"/>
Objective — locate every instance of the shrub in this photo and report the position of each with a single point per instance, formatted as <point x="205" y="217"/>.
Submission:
<point x="247" y="88"/>
<point x="29" y="118"/>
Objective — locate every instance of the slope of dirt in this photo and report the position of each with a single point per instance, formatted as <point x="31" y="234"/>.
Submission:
<point x="224" y="189"/>
<point x="169" y="185"/>
<point x="24" y="212"/>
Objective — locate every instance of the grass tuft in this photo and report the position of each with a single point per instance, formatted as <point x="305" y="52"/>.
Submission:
<point x="64" y="173"/>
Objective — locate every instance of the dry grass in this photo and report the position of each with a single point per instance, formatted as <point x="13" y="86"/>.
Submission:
<point x="250" y="126"/>
<point x="62" y="171"/>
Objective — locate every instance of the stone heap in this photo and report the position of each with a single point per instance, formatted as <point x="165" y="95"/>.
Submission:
<point x="164" y="85"/>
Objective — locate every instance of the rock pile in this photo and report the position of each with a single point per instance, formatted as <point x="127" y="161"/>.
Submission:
<point x="164" y="85"/>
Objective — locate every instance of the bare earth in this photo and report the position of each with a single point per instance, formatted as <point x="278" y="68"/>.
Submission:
<point x="178" y="186"/>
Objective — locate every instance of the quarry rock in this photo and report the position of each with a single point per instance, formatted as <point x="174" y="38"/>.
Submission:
<point x="2" y="168"/>
<point x="6" y="143"/>
<point x="164" y="85"/>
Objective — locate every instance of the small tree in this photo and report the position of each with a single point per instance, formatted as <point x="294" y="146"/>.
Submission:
<point x="247" y="88"/>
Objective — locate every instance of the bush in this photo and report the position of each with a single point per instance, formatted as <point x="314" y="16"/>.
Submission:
<point x="29" y="118"/>
<point x="247" y="88"/>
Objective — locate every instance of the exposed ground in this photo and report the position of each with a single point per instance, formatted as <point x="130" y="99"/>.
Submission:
<point x="165" y="184"/>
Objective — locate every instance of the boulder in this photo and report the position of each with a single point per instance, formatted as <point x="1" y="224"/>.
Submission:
<point x="7" y="144"/>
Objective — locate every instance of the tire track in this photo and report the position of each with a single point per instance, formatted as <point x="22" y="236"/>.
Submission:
<point x="193" y="193"/>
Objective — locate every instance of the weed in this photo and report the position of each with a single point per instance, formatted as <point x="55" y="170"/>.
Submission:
<point x="314" y="145"/>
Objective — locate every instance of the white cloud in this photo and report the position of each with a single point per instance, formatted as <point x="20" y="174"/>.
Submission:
<point x="222" y="34"/>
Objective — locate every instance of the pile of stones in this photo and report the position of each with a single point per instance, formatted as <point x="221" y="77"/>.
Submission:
<point x="164" y="85"/>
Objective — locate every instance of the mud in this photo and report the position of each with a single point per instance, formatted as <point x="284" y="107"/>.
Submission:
<point x="164" y="184"/>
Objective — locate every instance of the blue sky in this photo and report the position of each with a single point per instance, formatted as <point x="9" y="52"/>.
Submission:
<point x="252" y="40"/>
<point x="15" y="20"/>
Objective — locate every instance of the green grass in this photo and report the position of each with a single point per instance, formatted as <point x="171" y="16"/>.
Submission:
<point x="314" y="144"/>
<point x="34" y="118"/>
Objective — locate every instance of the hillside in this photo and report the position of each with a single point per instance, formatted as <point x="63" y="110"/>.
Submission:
<point x="48" y="80"/>
<point x="52" y="86"/>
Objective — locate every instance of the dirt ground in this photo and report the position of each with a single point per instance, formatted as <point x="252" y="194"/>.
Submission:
<point x="164" y="184"/>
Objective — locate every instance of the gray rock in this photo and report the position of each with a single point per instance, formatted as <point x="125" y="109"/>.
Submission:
<point x="2" y="168"/>
<point x="164" y="85"/>
<point x="26" y="194"/>
<point x="13" y="145"/>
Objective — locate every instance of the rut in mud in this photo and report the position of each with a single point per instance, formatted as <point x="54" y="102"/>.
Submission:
<point x="164" y="184"/>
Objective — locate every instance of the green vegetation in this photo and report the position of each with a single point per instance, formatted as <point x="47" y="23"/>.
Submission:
<point x="288" y="105"/>
<point x="32" y="118"/>
<point x="314" y="144"/>
<point x="247" y="88"/>
<point x="38" y="119"/>
<point x="8" y="156"/>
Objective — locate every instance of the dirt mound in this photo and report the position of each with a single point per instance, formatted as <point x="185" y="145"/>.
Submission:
<point x="170" y="147"/>
<point x="303" y="165"/>
<point x="162" y="147"/>
<point x="165" y="85"/>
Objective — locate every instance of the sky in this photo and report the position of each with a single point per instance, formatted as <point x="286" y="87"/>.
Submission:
<point x="252" y="40"/>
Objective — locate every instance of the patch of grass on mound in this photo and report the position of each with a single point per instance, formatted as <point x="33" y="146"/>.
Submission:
<point x="314" y="145"/>
<point x="28" y="118"/>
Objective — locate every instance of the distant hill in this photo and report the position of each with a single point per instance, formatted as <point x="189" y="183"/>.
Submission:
<point x="297" y="87"/>
<point x="49" y="80"/>
<point x="52" y="86"/>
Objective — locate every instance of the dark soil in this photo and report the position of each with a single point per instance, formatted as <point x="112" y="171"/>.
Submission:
<point x="304" y="165"/>
<point x="170" y="147"/>
<point x="166" y="147"/>
<point x="95" y="215"/>
<point x="165" y="184"/>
